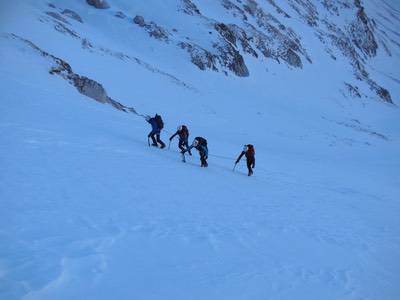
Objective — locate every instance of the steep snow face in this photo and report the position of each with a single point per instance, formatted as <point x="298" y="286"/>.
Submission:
<point x="89" y="211"/>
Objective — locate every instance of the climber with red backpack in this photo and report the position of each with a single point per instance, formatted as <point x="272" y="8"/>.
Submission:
<point x="183" y="133"/>
<point x="248" y="151"/>
<point x="201" y="145"/>
<point x="157" y="125"/>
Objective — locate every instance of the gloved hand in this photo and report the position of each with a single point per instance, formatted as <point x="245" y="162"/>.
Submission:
<point x="170" y="139"/>
<point x="190" y="153"/>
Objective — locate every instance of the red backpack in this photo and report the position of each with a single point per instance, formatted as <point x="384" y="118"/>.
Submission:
<point x="250" y="150"/>
<point x="185" y="130"/>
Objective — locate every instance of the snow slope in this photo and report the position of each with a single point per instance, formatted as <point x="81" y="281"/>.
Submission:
<point x="89" y="211"/>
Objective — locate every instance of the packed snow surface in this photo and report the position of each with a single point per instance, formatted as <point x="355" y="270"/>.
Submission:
<point x="89" y="211"/>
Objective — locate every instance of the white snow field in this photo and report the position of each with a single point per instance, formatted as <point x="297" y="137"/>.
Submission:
<point x="89" y="211"/>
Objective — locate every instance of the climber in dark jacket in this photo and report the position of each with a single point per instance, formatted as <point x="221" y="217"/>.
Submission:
<point x="157" y="125"/>
<point x="201" y="145"/>
<point x="183" y="134"/>
<point x="249" y="152"/>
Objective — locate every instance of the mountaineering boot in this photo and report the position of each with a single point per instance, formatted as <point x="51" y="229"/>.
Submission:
<point x="154" y="145"/>
<point x="204" y="164"/>
<point x="250" y="173"/>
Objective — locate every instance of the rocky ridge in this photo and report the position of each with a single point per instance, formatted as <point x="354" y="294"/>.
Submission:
<point x="260" y="30"/>
<point x="83" y="84"/>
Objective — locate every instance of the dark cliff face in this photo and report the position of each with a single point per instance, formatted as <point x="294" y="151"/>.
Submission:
<point x="258" y="32"/>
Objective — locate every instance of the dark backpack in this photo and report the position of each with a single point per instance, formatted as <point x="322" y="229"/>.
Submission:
<point x="202" y="141"/>
<point x="185" y="130"/>
<point x="159" y="121"/>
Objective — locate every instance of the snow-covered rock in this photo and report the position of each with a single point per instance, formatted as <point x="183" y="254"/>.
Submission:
<point x="73" y="15"/>
<point x="101" y="4"/>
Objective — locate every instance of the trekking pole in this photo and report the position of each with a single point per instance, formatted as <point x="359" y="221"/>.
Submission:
<point x="234" y="167"/>
<point x="148" y="141"/>
<point x="169" y="144"/>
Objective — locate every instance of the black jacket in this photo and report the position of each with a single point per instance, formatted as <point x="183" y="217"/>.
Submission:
<point x="249" y="156"/>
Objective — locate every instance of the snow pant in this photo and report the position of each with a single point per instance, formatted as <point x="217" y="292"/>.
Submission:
<point x="184" y="145"/>
<point x="250" y="165"/>
<point x="155" y="137"/>
<point x="203" y="157"/>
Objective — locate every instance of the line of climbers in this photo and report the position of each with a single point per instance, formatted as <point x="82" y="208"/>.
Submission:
<point x="199" y="143"/>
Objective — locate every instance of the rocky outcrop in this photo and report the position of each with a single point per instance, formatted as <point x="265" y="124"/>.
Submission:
<point x="306" y="10"/>
<point x="120" y="14"/>
<point x="226" y="56"/>
<point x="362" y="33"/>
<point x="60" y="23"/>
<point x="384" y="94"/>
<point x="278" y="9"/>
<point x="230" y="58"/>
<point x="199" y="56"/>
<point x="139" y="20"/>
<point x="152" y="28"/>
<point x="234" y="9"/>
<point x="83" y="84"/>
<point x="226" y="32"/>
<point x="292" y="58"/>
<point x="272" y="38"/>
<point x="57" y="16"/>
<point x="90" y="88"/>
<point x="334" y="6"/>
<point x="242" y="39"/>
<point x="73" y="15"/>
<point x="274" y="45"/>
<point x="188" y="7"/>
<point x="379" y="90"/>
<point x="60" y="27"/>
<point x="100" y="4"/>
<point x="352" y="90"/>
<point x="356" y="42"/>
<point x="86" y="44"/>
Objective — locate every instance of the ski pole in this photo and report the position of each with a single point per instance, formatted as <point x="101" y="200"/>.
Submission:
<point x="169" y="144"/>
<point x="234" y="167"/>
<point x="148" y="141"/>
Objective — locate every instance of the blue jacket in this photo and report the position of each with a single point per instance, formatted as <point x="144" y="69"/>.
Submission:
<point x="154" y="126"/>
